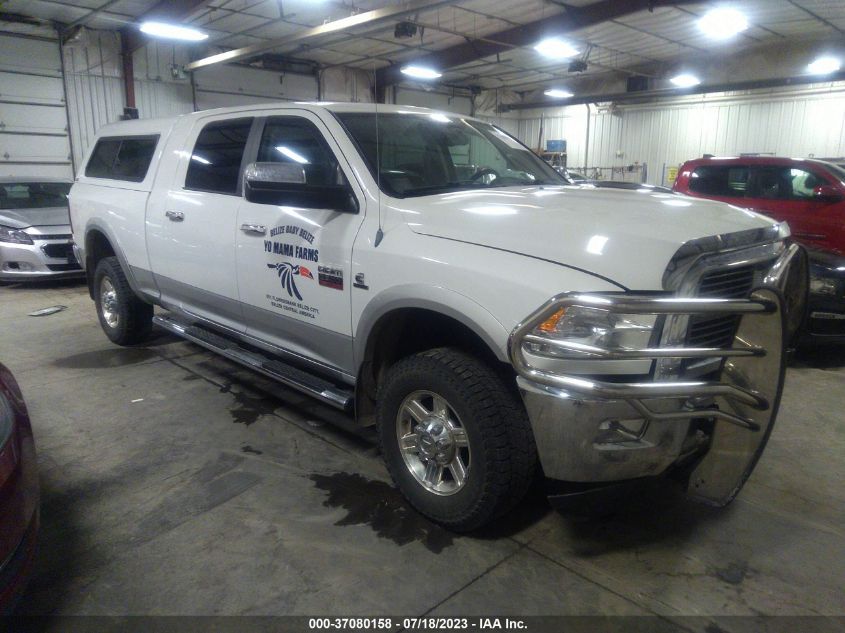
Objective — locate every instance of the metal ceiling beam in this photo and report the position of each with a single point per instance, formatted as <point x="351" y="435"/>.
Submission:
<point x="529" y="34"/>
<point x="652" y="95"/>
<point x="370" y="17"/>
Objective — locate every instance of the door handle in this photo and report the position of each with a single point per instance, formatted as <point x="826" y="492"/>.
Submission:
<point x="175" y="216"/>
<point x="257" y="229"/>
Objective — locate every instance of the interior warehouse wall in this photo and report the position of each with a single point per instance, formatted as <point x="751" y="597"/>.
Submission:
<point x="808" y="122"/>
<point x="94" y="85"/>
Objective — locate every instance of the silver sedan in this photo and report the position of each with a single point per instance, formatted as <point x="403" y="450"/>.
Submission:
<point x="35" y="235"/>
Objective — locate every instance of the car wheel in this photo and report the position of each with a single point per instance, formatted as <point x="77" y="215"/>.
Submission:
<point x="125" y="318"/>
<point x="455" y="437"/>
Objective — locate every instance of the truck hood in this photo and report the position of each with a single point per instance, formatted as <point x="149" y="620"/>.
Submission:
<point x="628" y="237"/>
<point x="24" y="218"/>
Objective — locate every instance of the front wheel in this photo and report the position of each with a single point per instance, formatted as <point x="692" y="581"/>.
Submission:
<point x="455" y="437"/>
<point x="124" y="317"/>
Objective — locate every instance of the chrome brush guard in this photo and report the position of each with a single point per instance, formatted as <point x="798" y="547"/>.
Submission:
<point x="572" y="413"/>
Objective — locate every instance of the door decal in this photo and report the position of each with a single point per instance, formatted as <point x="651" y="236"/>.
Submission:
<point x="290" y="272"/>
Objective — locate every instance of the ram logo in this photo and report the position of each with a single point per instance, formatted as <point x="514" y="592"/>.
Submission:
<point x="287" y="272"/>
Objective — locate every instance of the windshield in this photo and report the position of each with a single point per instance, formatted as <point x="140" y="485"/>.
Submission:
<point x="33" y="195"/>
<point x="422" y="154"/>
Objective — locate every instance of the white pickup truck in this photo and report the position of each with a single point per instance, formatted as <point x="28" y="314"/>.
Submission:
<point x="427" y="273"/>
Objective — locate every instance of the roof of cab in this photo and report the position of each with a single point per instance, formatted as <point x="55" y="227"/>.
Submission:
<point x="157" y="126"/>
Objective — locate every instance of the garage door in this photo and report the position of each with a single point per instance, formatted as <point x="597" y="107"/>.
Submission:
<point x="33" y="119"/>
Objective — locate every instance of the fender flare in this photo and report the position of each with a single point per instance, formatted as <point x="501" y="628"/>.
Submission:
<point x="437" y="299"/>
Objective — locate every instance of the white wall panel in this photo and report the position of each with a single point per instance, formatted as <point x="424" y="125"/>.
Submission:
<point x="787" y="122"/>
<point x="33" y="119"/>
<point x="436" y="100"/>
<point x="224" y="86"/>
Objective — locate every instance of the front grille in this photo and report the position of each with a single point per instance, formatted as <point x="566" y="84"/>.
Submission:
<point x="58" y="251"/>
<point x="725" y="283"/>
<point x="58" y="268"/>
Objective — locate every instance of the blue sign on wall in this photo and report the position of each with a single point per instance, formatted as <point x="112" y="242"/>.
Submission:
<point x="556" y="146"/>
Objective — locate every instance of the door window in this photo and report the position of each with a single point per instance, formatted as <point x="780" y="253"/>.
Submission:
<point x="216" y="160"/>
<point x="784" y="183"/>
<point x="298" y="141"/>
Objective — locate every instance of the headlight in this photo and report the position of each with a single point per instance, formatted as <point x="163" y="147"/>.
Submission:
<point x="14" y="236"/>
<point x="587" y="327"/>
<point x="822" y="285"/>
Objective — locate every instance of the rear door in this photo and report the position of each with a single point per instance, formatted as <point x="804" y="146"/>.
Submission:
<point x="191" y="224"/>
<point x="293" y="257"/>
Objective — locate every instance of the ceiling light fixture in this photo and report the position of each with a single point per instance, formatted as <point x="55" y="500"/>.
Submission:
<point x="722" y="23"/>
<point x="173" y="32"/>
<point x="555" y="48"/>
<point x="557" y="93"/>
<point x="685" y="80"/>
<point x="420" y="72"/>
<point x="824" y="65"/>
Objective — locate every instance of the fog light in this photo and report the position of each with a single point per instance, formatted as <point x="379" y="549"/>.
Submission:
<point x="822" y="286"/>
<point x="619" y="431"/>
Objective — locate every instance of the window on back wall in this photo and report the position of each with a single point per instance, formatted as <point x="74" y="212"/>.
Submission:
<point x="216" y="160"/>
<point x="125" y="158"/>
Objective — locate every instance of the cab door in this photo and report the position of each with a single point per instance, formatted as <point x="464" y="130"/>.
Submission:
<point x="191" y="224"/>
<point x="787" y="193"/>
<point x="294" y="250"/>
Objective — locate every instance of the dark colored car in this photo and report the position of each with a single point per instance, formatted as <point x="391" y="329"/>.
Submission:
<point x="19" y="493"/>
<point x="809" y="195"/>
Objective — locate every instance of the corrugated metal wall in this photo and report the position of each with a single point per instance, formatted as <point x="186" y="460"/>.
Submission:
<point x="33" y="119"/>
<point x="788" y="122"/>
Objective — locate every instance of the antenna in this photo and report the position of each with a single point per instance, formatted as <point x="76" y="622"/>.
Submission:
<point x="380" y="232"/>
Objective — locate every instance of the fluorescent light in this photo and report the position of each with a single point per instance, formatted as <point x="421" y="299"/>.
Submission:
<point x="287" y="151"/>
<point x="200" y="159"/>
<point x="173" y="32"/>
<point x="420" y="72"/>
<point x="555" y="48"/>
<point x="722" y="23"/>
<point x="685" y="80"/>
<point x="824" y="66"/>
<point x="556" y="93"/>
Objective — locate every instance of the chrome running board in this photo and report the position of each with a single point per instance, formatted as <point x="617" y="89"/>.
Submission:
<point x="290" y="376"/>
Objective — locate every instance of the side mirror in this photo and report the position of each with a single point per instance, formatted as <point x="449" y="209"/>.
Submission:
<point x="286" y="184"/>
<point x="827" y="193"/>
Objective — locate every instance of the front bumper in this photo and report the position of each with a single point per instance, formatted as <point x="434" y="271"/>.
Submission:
<point x="45" y="259"/>
<point x="591" y="430"/>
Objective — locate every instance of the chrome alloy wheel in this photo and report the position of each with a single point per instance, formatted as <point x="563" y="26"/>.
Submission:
<point x="434" y="444"/>
<point x="108" y="302"/>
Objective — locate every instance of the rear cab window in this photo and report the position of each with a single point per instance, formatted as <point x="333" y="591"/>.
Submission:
<point x="215" y="162"/>
<point x="124" y="158"/>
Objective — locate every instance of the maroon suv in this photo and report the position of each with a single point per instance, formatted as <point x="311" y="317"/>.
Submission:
<point x="810" y="196"/>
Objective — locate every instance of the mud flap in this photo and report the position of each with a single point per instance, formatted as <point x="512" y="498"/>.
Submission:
<point x="721" y="473"/>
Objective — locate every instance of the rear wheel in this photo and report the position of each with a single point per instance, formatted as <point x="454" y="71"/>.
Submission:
<point x="124" y="317"/>
<point x="455" y="438"/>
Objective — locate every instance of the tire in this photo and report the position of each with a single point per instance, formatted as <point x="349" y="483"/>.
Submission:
<point x="486" y="428"/>
<point x="126" y="319"/>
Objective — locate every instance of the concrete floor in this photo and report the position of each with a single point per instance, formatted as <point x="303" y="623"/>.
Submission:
<point x="177" y="483"/>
